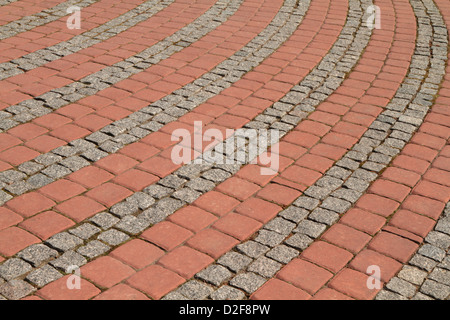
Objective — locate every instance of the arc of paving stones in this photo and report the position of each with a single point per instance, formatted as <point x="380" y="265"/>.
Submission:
<point x="41" y="18"/>
<point x="105" y="78"/>
<point x="64" y="160"/>
<point x="86" y="39"/>
<point x="296" y="227"/>
<point x="286" y="11"/>
<point x="425" y="278"/>
<point x="218" y="13"/>
<point x="130" y="224"/>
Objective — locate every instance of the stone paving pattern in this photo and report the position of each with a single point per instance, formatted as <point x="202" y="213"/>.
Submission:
<point x="87" y="180"/>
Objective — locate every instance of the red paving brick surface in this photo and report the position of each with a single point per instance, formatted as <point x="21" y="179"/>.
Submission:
<point x="89" y="178"/>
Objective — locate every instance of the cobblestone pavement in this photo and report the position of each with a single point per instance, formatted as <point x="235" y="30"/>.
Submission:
<point x="354" y="96"/>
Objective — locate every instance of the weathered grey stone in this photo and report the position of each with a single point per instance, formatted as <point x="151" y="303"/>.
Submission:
<point x="104" y="220"/>
<point x="445" y="264"/>
<point x="187" y="195"/>
<point x="282" y="254"/>
<point x="42" y="276"/>
<point x="388" y="295"/>
<point x="265" y="267"/>
<point x="402" y="287"/>
<point x="169" y="205"/>
<point x="64" y="241"/>
<point x="306" y="203"/>
<point x="195" y="290"/>
<point x="227" y="293"/>
<point x="280" y="225"/>
<point x="236" y="261"/>
<point x="214" y="274"/>
<point x="310" y="228"/>
<point x="113" y="237"/>
<point x="412" y="274"/>
<point x="38" y="181"/>
<point x="269" y="238"/>
<point x="432" y="252"/>
<point x="124" y="208"/>
<point x="200" y="184"/>
<point x="13" y="268"/>
<point x="16" y="289"/>
<point x="36" y="254"/>
<point x="441" y="276"/>
<point x="69" y="258"/>
<point x="56" y="171"/>
<point x="93" y="249"/>
<point x="294" y="214"/>
<point x="132" y="225"/>
<point x="324" y="216"/>
<point x="299" y="241"/>
<point x="141" y="200"/>
<point x="249" y="282"/>
<point x="157" y="191"/>
<point x="85" y="231"/>
<point x="421" y="296"/>
<point x="423" y="262"/>
<point x="443" y="225"/>
<point x="435" y="289"/>
<point x="174" y="295"/>
<point x="336" y="205"/>
<point x="438" y="239"/>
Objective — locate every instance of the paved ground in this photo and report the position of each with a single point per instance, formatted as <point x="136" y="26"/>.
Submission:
<point x="358" y="117"/>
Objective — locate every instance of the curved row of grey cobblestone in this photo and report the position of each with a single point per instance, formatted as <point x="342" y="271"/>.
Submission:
<point x="57" y="98"/>
<point x="41" y="18"/>
<point x="427" y="275"/>
<point x="86" y="39"/>
<point x="243" y="270"/>
<point x="64" y="160"/>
